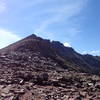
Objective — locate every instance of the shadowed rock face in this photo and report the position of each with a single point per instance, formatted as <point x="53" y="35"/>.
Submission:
<point x="37" y="69"/>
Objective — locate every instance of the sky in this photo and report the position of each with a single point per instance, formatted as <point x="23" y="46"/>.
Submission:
<point x="75" y="23"/>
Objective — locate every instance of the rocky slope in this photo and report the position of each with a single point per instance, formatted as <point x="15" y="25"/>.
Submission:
<point x="37" y="69"/>
<point x="65" y="56"/>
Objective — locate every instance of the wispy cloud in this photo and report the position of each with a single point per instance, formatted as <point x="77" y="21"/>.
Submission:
<point x="93" y="52"/>
<point x="2" y="6"/>
<point x="7" y="37"/>
<point x="73" y="31"/>
<point x="66" y="44"/>
<point x="62" y="13"/>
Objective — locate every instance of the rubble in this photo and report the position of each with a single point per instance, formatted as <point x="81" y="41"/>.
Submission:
<point x="22" y="82"/>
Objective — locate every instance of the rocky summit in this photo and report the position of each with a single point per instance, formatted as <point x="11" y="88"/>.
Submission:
<point x="38" y="69"/>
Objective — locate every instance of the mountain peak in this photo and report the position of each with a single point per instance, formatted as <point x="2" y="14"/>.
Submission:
<point x="32" y="36"/>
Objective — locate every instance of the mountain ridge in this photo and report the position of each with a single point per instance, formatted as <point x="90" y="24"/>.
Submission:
<point x="66" y="56"/>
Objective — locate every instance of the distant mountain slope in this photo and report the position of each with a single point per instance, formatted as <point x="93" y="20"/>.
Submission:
<point x="66" y="57"/>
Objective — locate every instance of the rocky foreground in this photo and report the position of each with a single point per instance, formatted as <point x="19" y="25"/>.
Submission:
<point x="34" y="77"/>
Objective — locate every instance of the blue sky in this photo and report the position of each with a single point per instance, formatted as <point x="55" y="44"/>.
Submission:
<point x="72" y="22"/>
